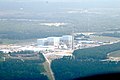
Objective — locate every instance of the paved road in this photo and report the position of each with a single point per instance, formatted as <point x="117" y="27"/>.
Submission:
<point x="48" y="66"/>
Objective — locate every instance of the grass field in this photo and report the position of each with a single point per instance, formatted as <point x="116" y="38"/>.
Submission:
<point x="11" y="41"/>
<point x="115" y="54"/>
<point x="103" y="38"/>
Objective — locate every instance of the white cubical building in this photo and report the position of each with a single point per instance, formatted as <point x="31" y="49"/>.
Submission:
<point x="67" y="39"/>
<point x="41" y="42"/>
<point x="53" y="41"/>
<point x="50" y="41"/>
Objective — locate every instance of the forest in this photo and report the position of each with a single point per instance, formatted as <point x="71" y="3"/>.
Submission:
<point x="86" y="62"/>
<point x="16" y="69"/>
<point x="20" y="25"/>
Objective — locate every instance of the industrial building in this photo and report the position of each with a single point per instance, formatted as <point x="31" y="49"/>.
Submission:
<point x="50" y="41"/>
<point x="41" y="42"/>
<point x="64" y="42"/>
<point x="53" y="41"/>
<point x="67" y="40"/>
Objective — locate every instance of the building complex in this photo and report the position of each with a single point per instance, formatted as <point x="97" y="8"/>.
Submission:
<point x="64" y="42"/>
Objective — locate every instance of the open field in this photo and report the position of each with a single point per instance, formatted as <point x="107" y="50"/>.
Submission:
<point x="104" y="38"/>
<point x="12" y="41"/>
<point x="115" y="54"/>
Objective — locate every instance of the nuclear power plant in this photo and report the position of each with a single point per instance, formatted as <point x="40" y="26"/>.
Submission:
<point x="64" y="42"/>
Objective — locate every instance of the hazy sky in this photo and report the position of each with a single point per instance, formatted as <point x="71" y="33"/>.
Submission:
<point x="84" y="3"/>
<point x="105" y="2"/>
<point x="63" y="0"/>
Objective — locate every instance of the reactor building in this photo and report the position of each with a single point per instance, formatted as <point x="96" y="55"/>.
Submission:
<point x="65" y="40"/>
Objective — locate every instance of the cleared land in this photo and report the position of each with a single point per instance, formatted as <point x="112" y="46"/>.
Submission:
<point x="104" y="38"/>
<point x="115" y="54"/>
<point x="11" y="41"/>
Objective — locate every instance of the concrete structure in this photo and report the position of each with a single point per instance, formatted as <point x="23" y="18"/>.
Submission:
<point x="53" y="41"/>
<point x="64" y="42"/>
<point x="67" y="39"/>
<point x="41" y="42"/>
